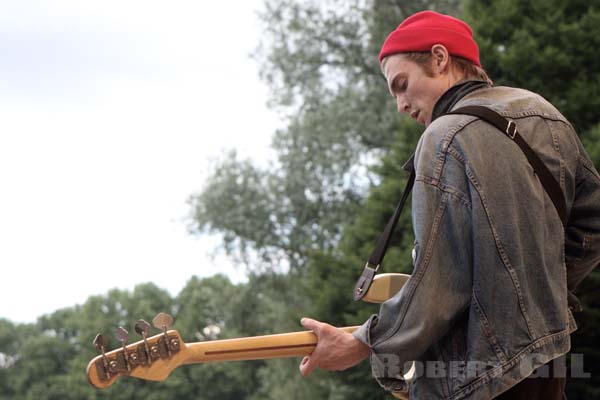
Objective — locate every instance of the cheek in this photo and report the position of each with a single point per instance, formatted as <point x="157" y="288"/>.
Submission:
<point x="431" y="95"/>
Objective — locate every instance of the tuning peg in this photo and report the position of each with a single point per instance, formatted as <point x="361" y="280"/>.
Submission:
<point x="100" y="342"/>
<point x="163" y="321"/>
<point x="123" y="336"/>
<point x="142" y="328"/>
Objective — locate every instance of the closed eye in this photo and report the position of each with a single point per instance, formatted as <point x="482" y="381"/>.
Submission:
<point x="399" y="85"/>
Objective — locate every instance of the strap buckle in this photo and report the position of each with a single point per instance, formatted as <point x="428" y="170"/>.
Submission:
<point x="371" y="266"/>
<point x="364" y="282"/>
<point x="511" y="132"/>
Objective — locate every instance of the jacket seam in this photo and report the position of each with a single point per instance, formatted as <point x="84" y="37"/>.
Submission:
<point x="498" y="371"/>
<point x="589" y="168"/>
<point x="417" y="277"/>
<point x="445" y="188"/>
<point x="456" y="155"/>
<point x="502" y="253"/>
<point x="445" y="386"/>
<point x="492" y="339"/>
<point x="555" y="142"/>
<point x="546" y="117"/>
<point x="447" y="142"/>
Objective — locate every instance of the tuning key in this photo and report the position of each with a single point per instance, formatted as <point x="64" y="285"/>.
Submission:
<point x="162" y="321"/>
<point x="123" y="336"/>
<point x="100" y="342"/>
<point x="142" y="328"/>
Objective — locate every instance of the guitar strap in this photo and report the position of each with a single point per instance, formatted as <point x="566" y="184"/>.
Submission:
<point x="509" y="128"/>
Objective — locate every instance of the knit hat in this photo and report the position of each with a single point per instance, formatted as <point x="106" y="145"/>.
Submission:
<point x="422" y="30"/>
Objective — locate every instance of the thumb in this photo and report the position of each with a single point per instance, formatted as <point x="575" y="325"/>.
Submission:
<point x="311" y="324"/>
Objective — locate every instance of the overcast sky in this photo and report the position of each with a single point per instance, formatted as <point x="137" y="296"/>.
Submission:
<point x="110" y="114"/>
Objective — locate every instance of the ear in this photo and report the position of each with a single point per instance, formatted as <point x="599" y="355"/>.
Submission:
<point x="440" y="58"/>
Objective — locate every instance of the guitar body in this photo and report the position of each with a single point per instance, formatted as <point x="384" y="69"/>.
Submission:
<point x="156" y="357"/>
<point x="384" y="287"/>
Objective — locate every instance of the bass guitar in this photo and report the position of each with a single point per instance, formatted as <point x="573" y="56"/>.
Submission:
<point x="155" y="357"/>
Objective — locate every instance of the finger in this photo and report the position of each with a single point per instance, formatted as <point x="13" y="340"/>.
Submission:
<point x="307" y="365"/>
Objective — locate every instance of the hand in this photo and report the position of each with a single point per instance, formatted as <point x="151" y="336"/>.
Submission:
<point x="336" y="350"/>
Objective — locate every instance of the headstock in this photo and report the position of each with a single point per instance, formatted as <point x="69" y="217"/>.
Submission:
<point x="152" y="358"/>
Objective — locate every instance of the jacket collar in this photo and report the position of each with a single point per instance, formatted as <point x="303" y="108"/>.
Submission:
<point x="454" y="94"/>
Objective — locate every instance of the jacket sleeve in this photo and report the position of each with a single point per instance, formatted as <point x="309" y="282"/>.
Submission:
<point x="438" y="290"/>
<point x="582" y="240"/>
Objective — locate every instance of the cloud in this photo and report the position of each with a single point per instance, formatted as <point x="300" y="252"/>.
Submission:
<point x="109" y="111"/>
<point x="59" y="48"/>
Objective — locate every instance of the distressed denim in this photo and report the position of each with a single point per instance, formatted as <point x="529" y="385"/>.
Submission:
<point x="490" y="296"/>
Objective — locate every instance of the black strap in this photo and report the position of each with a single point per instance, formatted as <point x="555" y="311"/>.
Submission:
<point x="510" y="129"/>
<point x="371" y="267"/>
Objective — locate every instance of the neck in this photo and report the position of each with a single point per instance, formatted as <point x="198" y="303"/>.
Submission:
<point x="454" y="94"/>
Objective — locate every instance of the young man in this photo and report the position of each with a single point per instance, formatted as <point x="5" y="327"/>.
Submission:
<point x="490" y="298"/>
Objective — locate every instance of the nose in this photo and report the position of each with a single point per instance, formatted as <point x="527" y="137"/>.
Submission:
<point x="403" y="105"/>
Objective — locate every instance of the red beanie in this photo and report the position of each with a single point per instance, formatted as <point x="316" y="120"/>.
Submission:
<point x="422" y="30"/>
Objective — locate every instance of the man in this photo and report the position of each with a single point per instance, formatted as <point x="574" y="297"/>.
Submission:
<point x="490" y="298"/>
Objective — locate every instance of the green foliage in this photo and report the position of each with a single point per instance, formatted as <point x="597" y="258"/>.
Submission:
<point x="47" y="360"/>
<point x="591" y="142"/>
<point x="546" y="46"/>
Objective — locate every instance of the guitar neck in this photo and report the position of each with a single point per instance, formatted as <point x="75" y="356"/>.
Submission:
<point x="155" y="357"/>
<point x="292" y="344"/>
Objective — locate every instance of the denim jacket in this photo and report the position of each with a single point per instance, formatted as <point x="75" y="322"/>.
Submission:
<point x="494" y="269"/>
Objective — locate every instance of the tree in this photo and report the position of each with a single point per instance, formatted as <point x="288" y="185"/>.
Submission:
<point x="47" y="359"/>
<point x="548" y="49"/>
<point x="320" y="61"/>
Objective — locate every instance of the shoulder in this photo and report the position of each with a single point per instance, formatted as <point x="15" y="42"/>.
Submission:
<point x="431" y="155"/>
<point x="439" y="135"/>
<point x="513" y="103"/>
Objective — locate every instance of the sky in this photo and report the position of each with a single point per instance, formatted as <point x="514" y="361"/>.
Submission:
<point x="112" y="114"/>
